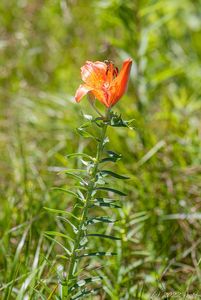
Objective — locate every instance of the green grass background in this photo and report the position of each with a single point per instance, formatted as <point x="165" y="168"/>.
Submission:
<point x="43" y="44"/>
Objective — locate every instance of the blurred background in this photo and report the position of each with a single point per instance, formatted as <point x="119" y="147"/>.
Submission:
<point x="43" y="44"/>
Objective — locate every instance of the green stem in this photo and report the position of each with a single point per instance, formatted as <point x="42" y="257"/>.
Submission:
<point x="91" y="186"/>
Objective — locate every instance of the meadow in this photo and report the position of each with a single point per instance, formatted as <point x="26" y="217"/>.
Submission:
<point x="43" y="45"/>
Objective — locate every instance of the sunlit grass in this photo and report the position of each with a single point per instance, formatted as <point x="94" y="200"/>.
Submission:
<point x="42" y="48"/>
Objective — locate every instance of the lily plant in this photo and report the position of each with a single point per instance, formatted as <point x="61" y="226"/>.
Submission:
<point x="103" y="82"/>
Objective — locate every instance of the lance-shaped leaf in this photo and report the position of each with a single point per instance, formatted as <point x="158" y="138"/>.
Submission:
<point x="65" y="191"/>
<point x="73" y="171"/>
<point x="112" y="156"/>
<point x="85" y="292"/>
<point x="100" y="180"/>
<point x="59" y="211"/>
<point x="83" y="241"/>
<point x="86" y="134"/>
<point x="86" y="124"/>
<point x="71" y="192"/>
<point x="117" y="121"/>
<point x="56" y="233"/>
<point x="102" y="188"/>
<point x="57" y="242"/>
<point x="103" y="219"/>
<point x="69" y="222"/>
<point x="105" y="141"/>
<point x="75" y="176"/>
<point x="62" y="256"/>
<point x="113" y="174"/>
<point x="80" y="155"/>
<point x="81" y="195"/>
<point x="84" y="282"/>
<point x="81" y="188"/>
<point x="105" y="202"/>
<point x="99" y="253"/>
<point x="98" y="121"/>
<point x="111" y="237"/>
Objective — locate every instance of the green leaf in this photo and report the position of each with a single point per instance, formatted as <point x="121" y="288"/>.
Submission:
<point x="113" y="174"/>
<point x="73" y="170"/>
<point x="62" y="246"/>
<point x="86" y="124"/>
<point x="56" y="233"/>
<point x="81" y="196"/>
<point x="112" y="156"/>
<point x="105" y="141"/>
<point x="62" y="256"/>
<point x="116" y="121"/>
<point x="111" y="237"/>
<point x="129" y="122"/>
<point x="103" y="219"/>
<point x="83" y="241"/>
<point x="102" y="188"/>
<point x="80" y="155"/>
<point x="73" y="175"/>
<point x="100" y="180"/>
<point x="69" y="222"/>
<point x="59" y="211"/>
<point x="84" y="282"/>
<point x="105" y="202"/>
<point x="81" y="188"/>
<point x="85" y="292"/>
<point x="100" y="122"/>
<point x="65" y="191"/>
<point x="99" y="253"/>
<point x="85" y="133"/>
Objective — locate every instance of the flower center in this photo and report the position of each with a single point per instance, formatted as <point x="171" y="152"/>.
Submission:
<point x="106" y="85"/>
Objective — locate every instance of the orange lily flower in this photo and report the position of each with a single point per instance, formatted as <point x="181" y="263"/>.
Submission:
<point x="103" y="81"/>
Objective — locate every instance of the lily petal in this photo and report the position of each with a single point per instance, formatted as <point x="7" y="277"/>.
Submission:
<point x="101" y="95"/>
<point x="82" y="91"/>
<point x="103" y="82"/>
<point x="94" y="73"/>
<point x="119" y="84"/>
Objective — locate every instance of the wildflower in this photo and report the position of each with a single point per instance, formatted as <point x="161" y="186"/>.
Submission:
<point x="103" y="81"/>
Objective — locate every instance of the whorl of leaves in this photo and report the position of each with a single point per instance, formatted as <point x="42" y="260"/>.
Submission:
<point x="94" y="198"/>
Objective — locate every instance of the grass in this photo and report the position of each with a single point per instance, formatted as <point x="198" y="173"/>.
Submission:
<point x="43" y="45"/>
